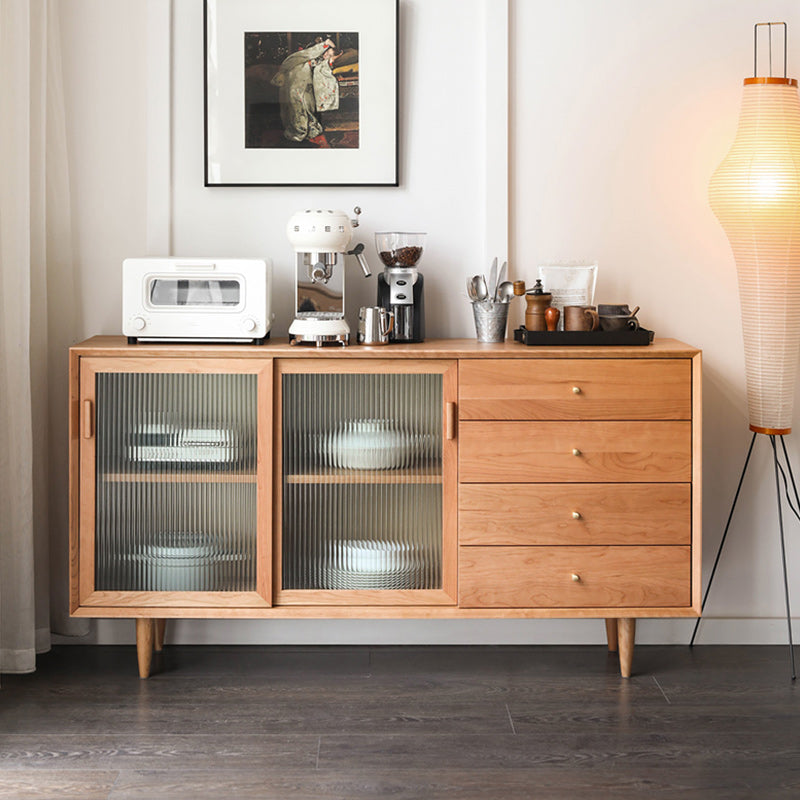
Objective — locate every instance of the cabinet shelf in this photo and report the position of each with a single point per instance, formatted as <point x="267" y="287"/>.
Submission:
<point x="179" y="477"/>
<point x="331" y="475"/>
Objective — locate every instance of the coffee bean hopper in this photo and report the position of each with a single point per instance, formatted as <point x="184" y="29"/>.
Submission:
<point x="400" y="284"/>
<point x="320" y="240"/>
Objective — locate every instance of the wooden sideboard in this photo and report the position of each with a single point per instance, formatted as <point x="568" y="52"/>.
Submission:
<point x="449" y="479"/>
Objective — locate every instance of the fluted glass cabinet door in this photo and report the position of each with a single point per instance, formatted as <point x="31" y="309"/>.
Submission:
<point x="178" y="501"/>
<point x="367" y="490"/>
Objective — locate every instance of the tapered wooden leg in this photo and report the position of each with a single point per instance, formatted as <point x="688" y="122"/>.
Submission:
<point x="144" y="645"/>
<point x="627" y="635"/>
<point x="612" y="635"/>
<point x="158" y="635"/>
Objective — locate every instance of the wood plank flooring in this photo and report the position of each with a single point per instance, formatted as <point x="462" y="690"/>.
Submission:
<point x="421" y="723"/>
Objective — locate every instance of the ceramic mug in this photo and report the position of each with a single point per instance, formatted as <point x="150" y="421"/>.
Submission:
<point x="581" y="318"/>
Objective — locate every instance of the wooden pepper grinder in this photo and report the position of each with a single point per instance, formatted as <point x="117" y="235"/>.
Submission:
<point x="538" y="302"/>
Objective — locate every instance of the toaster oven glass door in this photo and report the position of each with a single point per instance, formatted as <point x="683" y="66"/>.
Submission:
<point x="196" y="292"/>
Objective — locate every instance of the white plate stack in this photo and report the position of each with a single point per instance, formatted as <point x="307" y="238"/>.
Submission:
<point x="374" y="444"/>
<point x="183" y="561"/>
<point x="371" y="564"/>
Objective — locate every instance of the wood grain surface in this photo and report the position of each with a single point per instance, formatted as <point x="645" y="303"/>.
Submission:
<point x="556" y="389"/>
<point x="432" y="348"/>
<point x="544" y="513"/>
<point x="614" y="577"/>
<point x="565" y="452"/>
<point x="359" y="723"/>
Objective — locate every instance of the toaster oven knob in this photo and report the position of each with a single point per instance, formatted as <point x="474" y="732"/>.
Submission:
<point x="139" y="323"/>
<point x="249" y="324"/>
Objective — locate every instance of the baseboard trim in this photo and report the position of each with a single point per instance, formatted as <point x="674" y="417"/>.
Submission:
<point x="713" y="630"/>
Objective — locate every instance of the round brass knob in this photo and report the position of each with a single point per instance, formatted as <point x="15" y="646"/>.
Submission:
<point x="575" y="577"/>
<point x="575" y="451"/>
<point x="576" y="389"/>
<point x="576" y="515"/>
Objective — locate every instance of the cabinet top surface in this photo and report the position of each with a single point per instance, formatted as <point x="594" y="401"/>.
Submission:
<point x="433" y="348"/>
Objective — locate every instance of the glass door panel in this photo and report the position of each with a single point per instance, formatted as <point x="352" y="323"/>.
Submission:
<point x="362" y="481"/>
<point x="176" y="487"/>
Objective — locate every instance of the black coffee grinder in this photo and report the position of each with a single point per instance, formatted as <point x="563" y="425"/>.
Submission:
<point x="400" y="284"/>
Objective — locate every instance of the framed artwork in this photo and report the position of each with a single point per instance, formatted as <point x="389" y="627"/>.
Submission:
<point x="301" y="92"/>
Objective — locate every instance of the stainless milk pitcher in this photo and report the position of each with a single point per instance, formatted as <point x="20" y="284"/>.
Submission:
<point x="374" y="325"/>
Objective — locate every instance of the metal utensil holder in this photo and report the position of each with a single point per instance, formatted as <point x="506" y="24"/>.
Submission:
<point x="490" y="320"/>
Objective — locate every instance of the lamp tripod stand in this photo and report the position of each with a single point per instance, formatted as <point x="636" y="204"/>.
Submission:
<point x="779" y="471"/>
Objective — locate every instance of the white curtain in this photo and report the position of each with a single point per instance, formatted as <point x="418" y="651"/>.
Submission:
<point x="38" y="320"/>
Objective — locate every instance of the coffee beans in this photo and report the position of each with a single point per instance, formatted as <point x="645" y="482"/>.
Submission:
<point x="403" y="256"/>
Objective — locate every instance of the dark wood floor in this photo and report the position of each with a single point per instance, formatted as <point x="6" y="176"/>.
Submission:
<point x="402" y="722"/>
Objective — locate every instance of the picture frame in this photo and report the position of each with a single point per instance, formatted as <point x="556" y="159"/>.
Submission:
<point x="301" y="92"/>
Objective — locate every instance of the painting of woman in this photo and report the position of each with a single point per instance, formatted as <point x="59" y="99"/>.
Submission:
<point x="306" y="87"/>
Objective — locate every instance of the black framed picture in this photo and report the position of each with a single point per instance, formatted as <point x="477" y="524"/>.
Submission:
<point x="301" y="92"/>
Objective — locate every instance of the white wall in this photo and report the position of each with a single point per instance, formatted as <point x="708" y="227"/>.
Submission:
<point x="621" y="111"/>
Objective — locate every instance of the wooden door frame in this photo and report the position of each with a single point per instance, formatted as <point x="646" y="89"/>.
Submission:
<point x="448" y="594"/>
<point x="83" y="372"/>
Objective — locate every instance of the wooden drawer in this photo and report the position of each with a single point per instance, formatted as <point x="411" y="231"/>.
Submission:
<point x="564" y="452"/>
<point x="582" y="513"/>
<point x="555" y="389"/>
<point x="545" y="577"/>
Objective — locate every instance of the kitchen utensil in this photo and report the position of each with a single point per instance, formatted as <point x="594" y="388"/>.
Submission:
<point x="478" y="291"/>
<point x="505" y="291"/>
<point x="479" y="281"/>
<point x="501" y="277"/>
<point x="537" y="301"/>
<point x="374" y="325"/>
<point x="492" y="286"/>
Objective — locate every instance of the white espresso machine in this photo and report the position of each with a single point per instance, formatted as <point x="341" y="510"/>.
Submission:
<point x="321" y="240"/>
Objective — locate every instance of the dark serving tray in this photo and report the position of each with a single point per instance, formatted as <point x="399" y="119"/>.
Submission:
<point x="640" y="337"/>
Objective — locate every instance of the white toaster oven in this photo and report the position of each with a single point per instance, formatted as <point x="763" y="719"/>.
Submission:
<point x="196" y="299"/>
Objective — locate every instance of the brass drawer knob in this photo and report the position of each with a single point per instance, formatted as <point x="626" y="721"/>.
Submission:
<point x="575" y="451"/>
<point x="576" y="390"/>
<point x="576" y="515"/>
<point x="576" y="578"/>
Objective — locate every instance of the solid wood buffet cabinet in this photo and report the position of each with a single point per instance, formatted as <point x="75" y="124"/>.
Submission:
<point x="449" y="479"/>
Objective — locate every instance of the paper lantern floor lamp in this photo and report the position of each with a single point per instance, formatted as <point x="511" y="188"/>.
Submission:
<point x="755" y="194"/>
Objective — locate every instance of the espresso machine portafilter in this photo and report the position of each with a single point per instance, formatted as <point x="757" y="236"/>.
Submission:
<point x="321" y="240"/>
